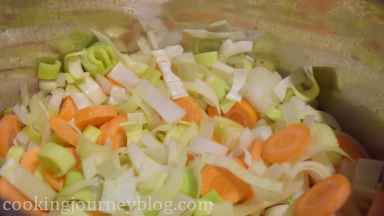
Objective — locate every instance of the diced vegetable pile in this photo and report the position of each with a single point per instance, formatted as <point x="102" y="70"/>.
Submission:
<point x="209" y="120"/>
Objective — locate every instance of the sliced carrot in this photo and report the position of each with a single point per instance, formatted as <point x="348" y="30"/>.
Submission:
<point x="256" y="149"/>
<point x="10" y="193"/>
<point x="68" y="109"/>
<point x="349" y="145"/>
<point x="95" y="115"/>
<point x="212" y="111"/>
<point x="243" y="113"/>
<point x="240" y="160"/>
<point x="230" y="187"/>
<point x="325" y="198"/>
<point x="55" y="182"/>
<point x="193" y="112"/>
<point x="113" y="131"/>
<point x="97" y="213"/>
<point x="64" y="131"/>
<point x="30" y="159"/>
<point x="287" y="144"/>
<point x="9" y="127"/>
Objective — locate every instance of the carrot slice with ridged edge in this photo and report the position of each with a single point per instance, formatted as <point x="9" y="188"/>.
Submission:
<point x="243" y="113"/>
<point x="95" y="115"/>
<point x="193" y="112"/>
<point x="286" y="144"/>
<point x="9" y="127"/>
<point x="324" y="198"/>
<point x="68" y="109"/>
<point x="114" y="132"/>
<point x="64" y="131"/>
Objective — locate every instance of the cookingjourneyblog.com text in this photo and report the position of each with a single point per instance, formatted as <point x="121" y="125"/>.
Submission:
<point x="143" y="205"/>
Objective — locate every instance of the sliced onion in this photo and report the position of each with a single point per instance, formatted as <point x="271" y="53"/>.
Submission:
<point x="239" y="80"/>
<point x="201" y="145"/>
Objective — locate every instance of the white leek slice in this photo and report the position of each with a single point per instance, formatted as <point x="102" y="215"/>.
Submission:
<point x="174" y="51"/>
<point x="143" y="164"/>
<point x="204" y="90"/>
<point x="239" y="80"/>
<point x="259" y="88"/>
<point x="316" y="169"/>
<point x="229" y="48"/>
<point x="117" y="95"/>
<point x="262" y="130"/>
<point x="295" y="110"/>
<point x="104" y="83"/>
<point x="28" y="184"/>
<point x="118" y="191"/>
<point x="323" y="139"/>
<point x="74" y="67"/>
<point x="166" y="108"/>
<point x="204" y="34"/>
<point x="202" y="145"/>
<point x="258" y="182"/>
<point x="282" y="87"/>
<point x="174" y="84"/>
<point x="226" y="69"/>
<point x="21" y="112"/>
<point x="55" y="100"/>
<point x="305" y="85"/>
<point x="124" y="76"/>
<point x="56" y="158"/>
<point x="172" y="185"/>
<point x="81" y="100"/>
<point x="90" y="88"/>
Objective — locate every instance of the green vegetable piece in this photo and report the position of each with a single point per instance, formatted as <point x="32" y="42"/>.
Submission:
<point x="100" y="58"/>
<point x="240" y="61"/>
<point x="219" y="86"/>
<point x="207" y="58"/>
<point x="200" y="45"/>
<point x="56" y="158"/>
<point x="226" y="105"/>
<point x="86" y="148"/>
<point x="72" y="177"/>
<point x="15" y="152"/>
<point x="212" y="196"/>
<point x="153" y="76"/>
<point x="69" y="78"/>
<point x="274" y="113"/>
<point x="92" y="133"/>
<point x="128" y="106"/>
<point x="189" y="186"/>
<point x="73" y="42"/>
<point x="33" y="135"/>
<point x="48" y="69"/>
<point x="305" y="85"/>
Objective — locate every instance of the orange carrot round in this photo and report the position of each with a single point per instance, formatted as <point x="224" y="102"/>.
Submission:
<point x="256" y="149"/>
<point x="212" y="111"/>
<point x="95" y="115"/>
<point x="9" y="127"/>
<point x="30" y="159"/>
<point x="287" y="144"/>
<point x="64" y="131"/>
<point x="55" y="182"/>
<point x="243" y="113"/>
<point x="68" y="109"/>
<point x="113" y="131"/>
<point x="349" y="145"/>
<point x="325" y="198"/>
<point x="193" y="112"/>
<point x="230" y="187"/>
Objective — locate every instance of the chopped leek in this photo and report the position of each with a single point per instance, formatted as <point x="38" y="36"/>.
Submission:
<point x="162" y="104"/>
<point x="219" y="85"/>
<point x="56" y="158"/>
<point x="229" y="48"/>
<point x="32" y="187"/>
<point x="92" y="133"/>
<point x="205" y="90"/>
<point x="45" y="85"/>
<point x="100" y="58"/>
<point x="15" y="153"/>
<point x="239" y="80"/>
<point x="305" y="85"/>
<point x="152" y="183"/>
<point x="207" y="58"/>
<point x="201" y="145"/>
<point x="174" y="84"/>
<point x="189" y="186"/>
<point x="49" y="69"/>
<point x="123" y="76"/>
<point x="93" y="91"/>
